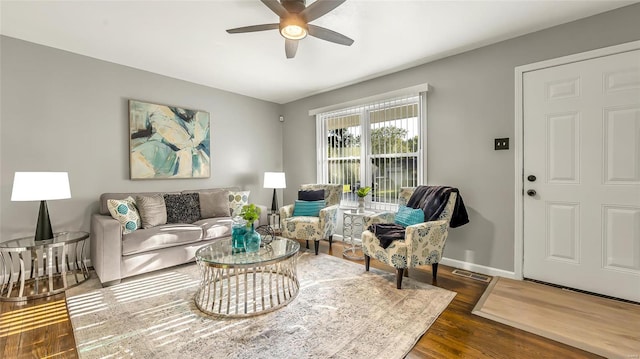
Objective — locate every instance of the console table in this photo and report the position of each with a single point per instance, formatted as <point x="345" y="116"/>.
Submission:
<point x="33" y="269"/>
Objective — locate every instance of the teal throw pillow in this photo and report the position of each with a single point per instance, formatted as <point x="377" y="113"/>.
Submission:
<point x="407" y="216"/>
<point x="308" y="208"/>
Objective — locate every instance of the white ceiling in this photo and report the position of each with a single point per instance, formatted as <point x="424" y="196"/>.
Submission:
<point x="187" y="40"/>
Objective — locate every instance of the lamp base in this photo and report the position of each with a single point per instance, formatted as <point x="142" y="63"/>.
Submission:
<point x="274" y="202"/>
<point x="43" y="227"/>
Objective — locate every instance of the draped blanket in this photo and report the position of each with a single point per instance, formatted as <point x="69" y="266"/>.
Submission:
<point x="387" y="233"/>
<point x="432" y="200"/>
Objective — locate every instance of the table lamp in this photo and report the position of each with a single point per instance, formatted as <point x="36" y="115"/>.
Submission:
<point x="274" y="180"/>
<point x="41" y="186"/>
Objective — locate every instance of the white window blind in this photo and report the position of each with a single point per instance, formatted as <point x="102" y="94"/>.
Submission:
<point x="379" y="144"/>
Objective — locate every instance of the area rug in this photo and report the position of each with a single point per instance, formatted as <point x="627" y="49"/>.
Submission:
<point x="341" y="311"/>
<point x="598" y="325"/>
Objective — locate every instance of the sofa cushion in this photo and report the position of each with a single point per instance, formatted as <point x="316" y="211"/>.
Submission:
<point x="215" y="227"/>
<point x="125" y="212"/>
<point x="163" y="236"/>
<point x="153" y="211"/>
<point x="122" y="195"/>
<point x="182" y="208"/>
<point x="238" y="199"/>
<point x="214" y="204"/>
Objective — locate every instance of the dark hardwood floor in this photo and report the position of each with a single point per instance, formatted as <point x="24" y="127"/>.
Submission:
<point x="42" y="329"/>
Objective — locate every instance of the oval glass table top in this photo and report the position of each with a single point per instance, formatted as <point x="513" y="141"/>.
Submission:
<point x="220" y="253"/>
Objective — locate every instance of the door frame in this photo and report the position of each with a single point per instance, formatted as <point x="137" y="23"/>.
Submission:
<point x="519" y="135"/>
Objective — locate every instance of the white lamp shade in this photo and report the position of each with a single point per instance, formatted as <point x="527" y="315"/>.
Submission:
<point x="39" y="186"/>
<point x="274" y="180"/>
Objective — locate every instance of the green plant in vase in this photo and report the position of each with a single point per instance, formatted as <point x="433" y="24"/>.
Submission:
<point x="362" y="192"/>
<point x="251" y="213"/>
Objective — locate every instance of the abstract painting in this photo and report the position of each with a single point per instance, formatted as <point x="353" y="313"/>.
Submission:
<point x="168" y="142"/>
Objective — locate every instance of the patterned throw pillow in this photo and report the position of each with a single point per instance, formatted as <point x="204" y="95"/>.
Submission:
<point x="125" y="212"/>
<point x="182" y="208"/>
<point x="408" y="216"/>
<point x="153" y="211"/>
<point x="237" y="199"/>
<point x="308" y="208"/>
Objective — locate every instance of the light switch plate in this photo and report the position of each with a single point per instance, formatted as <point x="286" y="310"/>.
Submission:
<point x="501" y="144"/>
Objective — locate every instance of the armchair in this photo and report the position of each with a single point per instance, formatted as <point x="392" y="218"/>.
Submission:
<point x="313" y="228"/>
<point x="423" y="243"/>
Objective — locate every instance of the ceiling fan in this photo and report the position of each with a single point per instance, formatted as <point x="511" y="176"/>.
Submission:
<point x="294" y="25"/>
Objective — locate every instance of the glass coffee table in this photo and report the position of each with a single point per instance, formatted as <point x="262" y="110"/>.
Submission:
<point x="33" y="269"/>
<point x="246" y="284"/>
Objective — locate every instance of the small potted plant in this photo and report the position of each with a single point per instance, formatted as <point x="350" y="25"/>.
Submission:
<point x="251" y="213"/>
<point x="362" y="193"/>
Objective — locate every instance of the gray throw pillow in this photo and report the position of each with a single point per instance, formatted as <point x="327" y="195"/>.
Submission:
<point x="182" y="208"/>
<point x="311" y="195"/>
<point x="153" y="211"/>
<point x="214" y="204"/>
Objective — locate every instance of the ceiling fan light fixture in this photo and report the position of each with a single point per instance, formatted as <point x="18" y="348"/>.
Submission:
<point x="293" y="28"/>
<point x="293" y="32"/>
<point x="294" y="23"/>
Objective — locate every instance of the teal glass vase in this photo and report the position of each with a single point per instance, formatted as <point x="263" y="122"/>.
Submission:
<point x="251" y="240"/>
<point x="238" y="232"/>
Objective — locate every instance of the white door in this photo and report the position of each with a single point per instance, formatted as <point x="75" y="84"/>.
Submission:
<point x="582" y="143"/>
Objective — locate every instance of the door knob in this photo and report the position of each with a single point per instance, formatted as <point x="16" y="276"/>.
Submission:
<point x="531" y="192"/>
<point x="531" y="178"/>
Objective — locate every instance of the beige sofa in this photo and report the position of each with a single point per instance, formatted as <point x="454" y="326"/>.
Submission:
<point x="115" y="255"/>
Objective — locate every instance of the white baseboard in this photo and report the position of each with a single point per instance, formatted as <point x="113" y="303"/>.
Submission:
<point x="495" y="272"/>
<point x="478" y="268"/>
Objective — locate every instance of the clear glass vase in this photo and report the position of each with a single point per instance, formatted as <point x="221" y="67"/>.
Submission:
<point x="360" y="205"/>
<point x="251" y="240"/>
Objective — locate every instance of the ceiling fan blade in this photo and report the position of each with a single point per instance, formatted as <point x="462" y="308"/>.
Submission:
<point x="276" y="7"/>
<point x="320" y="8"/>
<point x="253" y="28"/>
<point x="290" y="48"/>
<point x="329" y="35"/>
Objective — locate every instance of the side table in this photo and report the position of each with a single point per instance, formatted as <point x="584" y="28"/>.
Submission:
<point x="30" y="269"/>
<point x="352" y="224"/>
<point x="274" y="223"/>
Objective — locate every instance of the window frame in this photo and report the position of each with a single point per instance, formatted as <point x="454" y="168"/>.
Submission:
<point x="363" y="108"/>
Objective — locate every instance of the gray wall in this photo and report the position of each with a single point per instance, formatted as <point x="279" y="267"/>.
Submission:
<point x="65" y="112"/>
<point x="472" y="103"/>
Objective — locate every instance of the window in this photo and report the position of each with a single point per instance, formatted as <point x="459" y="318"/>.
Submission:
<point x="379" y="144"/>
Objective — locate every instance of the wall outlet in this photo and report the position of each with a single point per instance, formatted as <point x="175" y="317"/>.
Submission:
<point x="501" y="144"/>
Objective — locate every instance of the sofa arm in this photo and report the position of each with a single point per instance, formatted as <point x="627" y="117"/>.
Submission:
<point x="427" y="237"/>
<point x="286" y="212"/>
<point x="106" y="248"/>
<point x="328" y="220"/>
<point x="381" y="217"/>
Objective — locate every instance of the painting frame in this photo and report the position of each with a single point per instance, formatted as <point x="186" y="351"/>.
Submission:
<point x="168" y="142"/>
